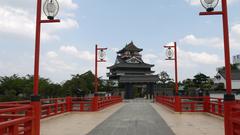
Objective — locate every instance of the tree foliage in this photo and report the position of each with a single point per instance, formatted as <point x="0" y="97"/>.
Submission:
<point x="84" y="82"/>
<point x="200" y="80"/>
<point x="21" y="88"/>
<point x="18" y="88"/>
<point x="164" y="78"/>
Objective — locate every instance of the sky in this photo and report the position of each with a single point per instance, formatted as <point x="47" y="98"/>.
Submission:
<point x="67" y="48"/>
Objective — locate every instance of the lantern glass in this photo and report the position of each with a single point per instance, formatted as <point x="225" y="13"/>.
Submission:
<point x="51" y="8"/>
<point x="169" y="53"/>
<point x="209" y="5"/>
<point x="102" y="54"/>
<point x="209" y="1"/>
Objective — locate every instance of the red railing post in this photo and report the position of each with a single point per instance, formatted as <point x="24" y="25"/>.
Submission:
<point x="56" y="106"/>
<point x="192" y="107"/>
<point x="69" y="103"/>
<point x="81" y="105"/>
<point x="178" y="104"/>
<point x="227" y="117"/>
<point x="37" y="112"/>
<point x="95" y="103"/>
<point x="1" y="130"/>
<point x="206" y="103"/>
<point x="29" y="124"/>
<point x="219" y="106"/>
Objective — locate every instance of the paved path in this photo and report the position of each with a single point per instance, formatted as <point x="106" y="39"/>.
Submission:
<point x="76" y="123"/>
<point x="191" y="123"/>
<point x="137" y="117"/>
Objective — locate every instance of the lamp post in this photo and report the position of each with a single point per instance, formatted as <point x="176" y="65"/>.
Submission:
<point x="35" y="99"/>
<point x="209" y="5"/>
<point x="172" y="55"/>
<point x="100" y="55"/>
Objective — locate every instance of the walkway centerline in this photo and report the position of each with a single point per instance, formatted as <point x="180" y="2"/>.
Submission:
<point x="137" y="117"/>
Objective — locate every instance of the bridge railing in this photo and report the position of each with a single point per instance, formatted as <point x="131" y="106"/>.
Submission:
<point x="80" y="104"/>
<point x="168" y="101"/>
<point x="53" y="106"/>
<point x="234" y="119"/>
<point x="17" y="118"/>
<point x="108" y="101"/>
<point x="206" y="104"/>
<point x="193" y="104"/>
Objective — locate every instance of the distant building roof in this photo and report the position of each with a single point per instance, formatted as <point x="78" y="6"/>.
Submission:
<point x="123" y="64"/>
<point x="130" y="47"/>
<point x="139" y="79"/>
<point x="236" y="59"/>
<point x="235" y="74"/>
<point x="131" y="65"/>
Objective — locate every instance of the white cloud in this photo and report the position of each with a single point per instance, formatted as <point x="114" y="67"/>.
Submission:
<point x="149" y="58"/>
<point x="21" y="23"/>
<point x="210" y="42"/>
<point x="199" y="58"/>
<point x="69" y="4"/>
<point x="234" y="38"/>
<point x="215" y="42"/>
<point x="16" y="21"/>
<point x="67" y="23"/>
<point x="64" y="4"/>
<point x="235" y="29"/>
<point x="197" y="2"/>
<point x="189" y="63"/>
<point x="52" y="54"/>
<point x="114" y="49"/>
<point x="53" y="63"/>
<point x="193" y="2"/>
<point x="72" y="50"/>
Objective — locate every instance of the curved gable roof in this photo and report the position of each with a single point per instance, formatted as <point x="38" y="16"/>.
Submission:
<point x="130" y="47"/>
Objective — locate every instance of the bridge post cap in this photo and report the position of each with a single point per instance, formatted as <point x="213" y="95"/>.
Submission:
<point x="229" y="97"/>
<point x="35" y="98"/>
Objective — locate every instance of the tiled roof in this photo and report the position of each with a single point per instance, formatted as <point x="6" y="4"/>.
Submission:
<point x="139" y="79"/>
<point x="123" y="64"/>
<point x="131" y="65"/>
<point x="235" y="74"/>
<point x="130" y="47"/>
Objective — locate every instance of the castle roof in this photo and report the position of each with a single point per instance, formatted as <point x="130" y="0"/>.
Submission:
<point x="131" y="65"/>
<point x="138" y="78"/>
<point x="130" y="47"/>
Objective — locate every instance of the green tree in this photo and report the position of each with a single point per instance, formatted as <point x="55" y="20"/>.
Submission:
<point x="21" y="88"/>
<point x="202" y="81"/>
<point x="187" y="84"/>
<point x="84" y="82"/>
<point x="164" y="78"/>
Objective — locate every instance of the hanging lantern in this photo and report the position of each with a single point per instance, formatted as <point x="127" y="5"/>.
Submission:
<point x="209" y="5"/>
<point x="169" y="53"/>
<point x="51" y="8"/>
<point x="102" y="55"/>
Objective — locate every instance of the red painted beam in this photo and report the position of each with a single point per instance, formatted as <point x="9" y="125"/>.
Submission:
<point x="50" y="21"/>
<point x="211" y="13"/>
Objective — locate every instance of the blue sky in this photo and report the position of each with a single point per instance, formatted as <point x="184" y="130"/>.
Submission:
<point x="68" y="48"/>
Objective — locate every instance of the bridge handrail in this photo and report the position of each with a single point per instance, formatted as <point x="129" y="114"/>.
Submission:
<point x="16" y="120"/>
<point x="17" y="117"/>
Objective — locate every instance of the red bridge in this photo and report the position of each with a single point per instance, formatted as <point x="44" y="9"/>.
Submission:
<point x="17" y="118"/>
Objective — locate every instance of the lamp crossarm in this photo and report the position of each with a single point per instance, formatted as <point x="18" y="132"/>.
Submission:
<point x="211" y="13"/>
<point x="50" y="21"/>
